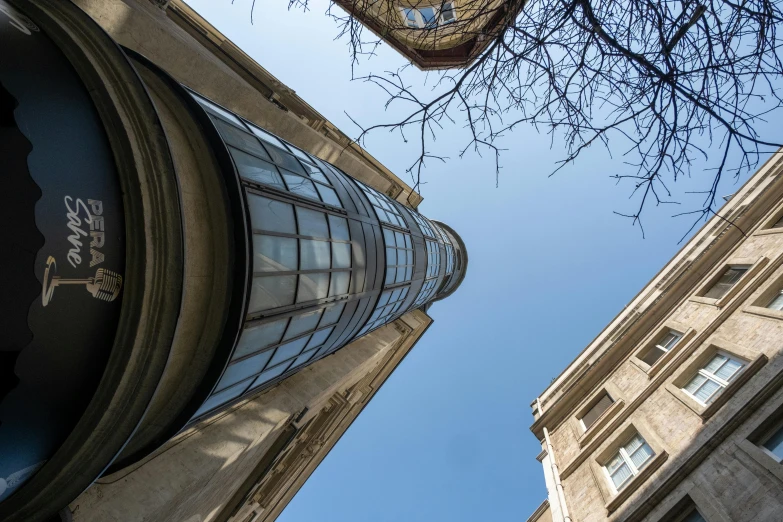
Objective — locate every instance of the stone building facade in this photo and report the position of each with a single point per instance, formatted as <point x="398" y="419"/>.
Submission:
<point x="675" y="411"/>
<point x="209" y="281"/>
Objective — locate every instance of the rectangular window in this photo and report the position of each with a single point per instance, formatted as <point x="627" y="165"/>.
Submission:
<point x="596" y="410"/>
<point x="663" y="345"/>
<point x="447" y="13"/>
<point x="776" y="303"/>
<point x="774" y="445"/>
<point x="629" y="460"/>
<point x="728" y="279"/>
<point x="399" y="256"/>
<point x="711" y="379"/>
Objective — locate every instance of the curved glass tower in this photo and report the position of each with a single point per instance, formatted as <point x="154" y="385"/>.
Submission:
<point x="170" y="258"/>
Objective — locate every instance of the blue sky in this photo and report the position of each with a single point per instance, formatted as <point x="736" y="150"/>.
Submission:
<point x="446" y="438"/>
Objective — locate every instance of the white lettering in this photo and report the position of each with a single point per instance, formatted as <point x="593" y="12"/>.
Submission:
<point x="74" y="223"/>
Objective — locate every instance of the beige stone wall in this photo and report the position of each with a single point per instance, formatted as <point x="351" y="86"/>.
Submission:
<point x="707" y="456"/>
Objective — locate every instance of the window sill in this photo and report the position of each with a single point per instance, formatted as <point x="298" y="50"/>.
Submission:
<point x="705" y="412"/>
<point x="764" y="312"/>
<point x="600" y="423"/>
<point x="623" y="495"/>
<point x="704" y="300"/>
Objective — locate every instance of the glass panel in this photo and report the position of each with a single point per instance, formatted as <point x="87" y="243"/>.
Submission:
<point x="410" y="17"/>
<point x="777" y="302"/>
<point x="220" y="398"/>
<point x="264" y="135"/>
<point x="447" y="13"/>
<point x="332" y="314"/>
<point x="318" y="176"/>
<point x="726" y="281"/>
<point x="315" y="254"/>
<point x="729" y="370"/>
<point x="302" y="359"/>
<point x="272" y="215"/>
<point x="707" y="391"/>
<point x="339" y="283"/>
<point x="300" y="154"/>
<point x="428" y="15"/>
<point x="312" y="223"/>
<point x="255" y="169"/>
<point x="695" y="383"/>
<point x="286" y="351"/>
<point x="621" y="476"/>
<point x="274" y="254"/>
<point x="259" y="337"/>
<point x="641" y="456"/>
<point x="240" y="139"/>
<point x="329" y="196"/>
<point x="391" y="275"/>
<point x="285" y="160"/>
<point x="652" y="355"/>
<point x="614" y="464"/>
<point x="388" y="237"/>
<point x="312" y="286"/>
<point x="271" y="292"/>
<point x="391" y="256"/>
<point x="668" y="340"/>
<point x="303" y="323"/>
<point x="596" y="410"/>
<point x="218" y="110"/>
<point x="269" y="375"/>
<point x="239" y="371"/>
<point x="715" y="363"/>
<point x="300" y="185"/>
<point x="775" y="444"/>
<point x="634" y="443"/>
<point x="319" y="337"/>
<point x="341" y="255"/>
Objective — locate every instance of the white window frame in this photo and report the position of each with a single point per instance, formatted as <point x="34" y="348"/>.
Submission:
<point x="628" y="462"/>
<point x="722" y="383"/>
<point x="438" y="10"/>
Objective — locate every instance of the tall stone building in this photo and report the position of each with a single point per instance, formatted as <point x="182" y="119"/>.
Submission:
<point x="675" y="411"/>
<point x="205" y="281"/>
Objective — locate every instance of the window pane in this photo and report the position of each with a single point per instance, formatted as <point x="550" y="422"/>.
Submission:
<point x="240" y="139"/>
<point x="652" y="355"/>
<point x="341" y="255"/>
<point x="269" y="375"/>
<point x="239" y="371"/>
<point x="313" y="286"/>
<point x="319" y="337"/>
<point x="633" y="444"/>
<point x="329" y="196"/>
<point x="318" y="176"/>
<point x="256" y="169"/>
<point x="272" y="292"/>
<point x="715" y="363"/>
<point x="447" y="13"/>
<point x="621" y="476"/>
<point x="259" y="337"/>
<point x="669" y="340"/>
<point x="264" y="135"/>
<point x="391" y="256"/>
<point x="597" y="410"/>
<point x="694" y="516"/>
<point x="641" y="456"/>
<point x="216" y="109"/>
<point x="303" y="358"/>
<point x="707" y="391"/>
<point x="274" y="254"/>
<point x="339" y="283"/>
<point x="220" y="398"/>
<point x="777" y="302"/>
<point x="285" y="159"/>
<point x="303" y="323"/>
<point x="272" y="215"/>
<point x="729" y="370"/>
<point x="695" y="383"/>
<point x="332" y="314"/>
<point x="312" y="223"/>
<point x="286" y="351"/>
<point x="315" y="254"/>
<point x="775" y="444"/>
<point x="300" y="185"/>
<point x="391" y="275"/>
<point x="614" y="464"/>
<point x="339" y="228"/>
<point x="726" y="281"/>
